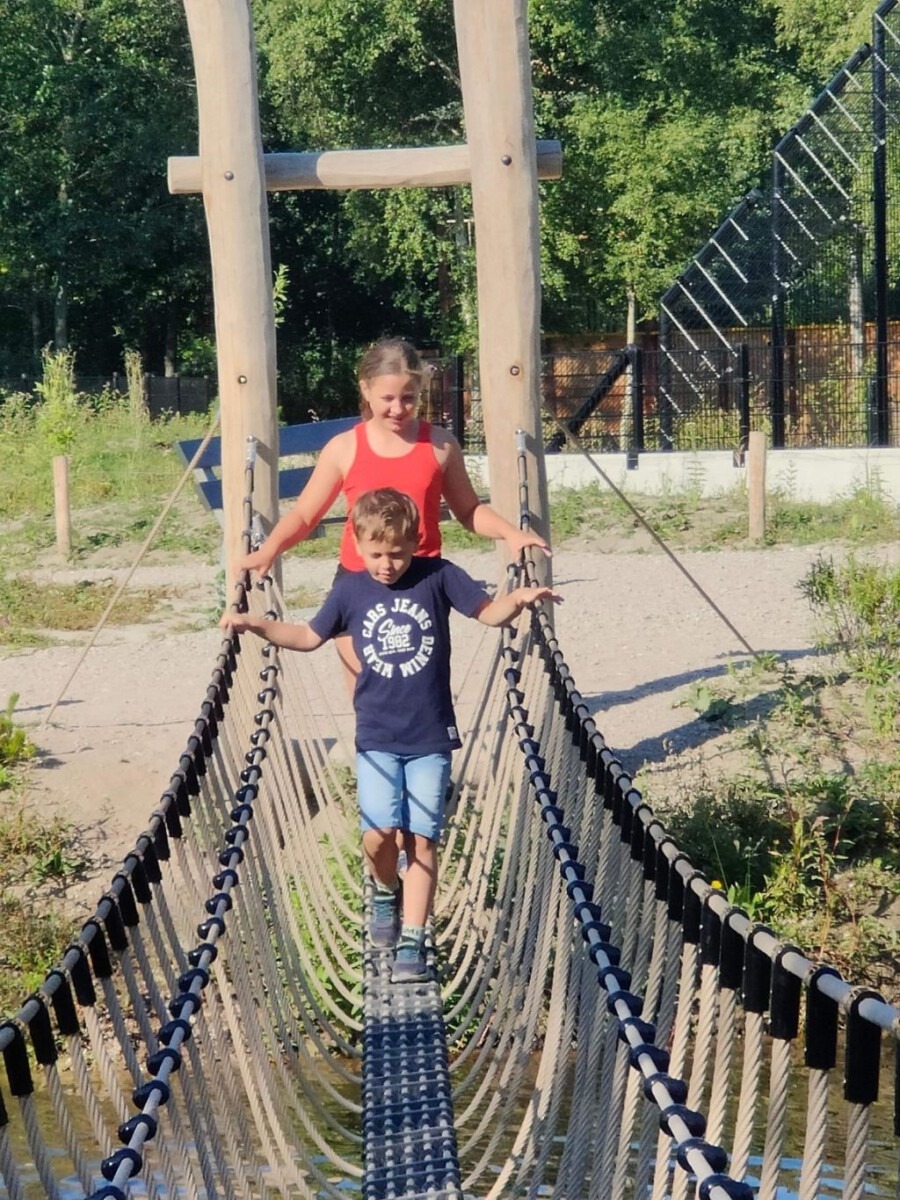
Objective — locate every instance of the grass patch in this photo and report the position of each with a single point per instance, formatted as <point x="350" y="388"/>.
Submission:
<point x="28" y="609"/>
<point x="456" y="537"/>
<point x="123" y="468"/>
<point x="862" y="518"/>
<point x="116" y="455"/>
<point x="689" y="521"/>
<point x="33" y="940"/>
<point x="181" y="532"/>
<point x="15" y="746"/>
<point x="95" y="532"/>
<point x="34" y="853"/>
<point x="326" y="545"/>
<point x="304" y="597"/>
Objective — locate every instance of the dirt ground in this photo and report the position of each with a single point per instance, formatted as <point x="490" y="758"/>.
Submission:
<point x="637" y="636"/>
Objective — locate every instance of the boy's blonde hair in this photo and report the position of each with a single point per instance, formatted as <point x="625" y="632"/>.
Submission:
<point x="386" y="515"/>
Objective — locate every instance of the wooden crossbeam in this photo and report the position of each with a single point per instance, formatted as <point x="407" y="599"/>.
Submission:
<point x="346" y="170"/>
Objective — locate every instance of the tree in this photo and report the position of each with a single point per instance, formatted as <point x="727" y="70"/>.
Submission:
<point x="363" y="73"/>
<point x="666" y="113"/>
<point x="96" y="94"/>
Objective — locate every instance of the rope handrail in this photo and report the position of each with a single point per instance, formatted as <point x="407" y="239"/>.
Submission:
<point x="685" y="1125"/>
<point x="140" y="867"/>
<point x="831" y="984"/>
<point x="871" y="1007"/>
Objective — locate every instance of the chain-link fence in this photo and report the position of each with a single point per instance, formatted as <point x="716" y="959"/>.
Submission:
<point x="702" y="397"/>
<point x="800" y="279"/>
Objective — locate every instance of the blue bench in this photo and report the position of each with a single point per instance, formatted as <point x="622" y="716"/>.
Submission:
<point x="308" y="438"/>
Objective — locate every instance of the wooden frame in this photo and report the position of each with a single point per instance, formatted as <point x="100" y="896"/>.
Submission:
<point x="492" y="39"/>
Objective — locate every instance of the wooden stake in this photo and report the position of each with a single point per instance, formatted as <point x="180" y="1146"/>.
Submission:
<point x="61" y="504"/>
<point x="495" y="70"/>
<point x="756" y="485"/>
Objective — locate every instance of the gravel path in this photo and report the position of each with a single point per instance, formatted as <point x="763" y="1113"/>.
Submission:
<point x="633" y="631"/>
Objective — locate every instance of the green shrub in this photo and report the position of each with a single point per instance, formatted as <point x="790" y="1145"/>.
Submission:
<point x="33" y="852"/>
<point x="15" y="748"/>
<point x="729" y="827"/>
<point x="858" y="605"/>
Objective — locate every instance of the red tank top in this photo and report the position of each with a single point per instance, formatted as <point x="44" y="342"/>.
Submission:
<point x="417" y="474"/>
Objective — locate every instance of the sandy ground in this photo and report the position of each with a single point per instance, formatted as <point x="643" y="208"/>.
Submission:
<point x="635" y="633"/>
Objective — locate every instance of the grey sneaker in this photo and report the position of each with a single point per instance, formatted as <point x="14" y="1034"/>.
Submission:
<point x="384" y="921"/>
<point x="409" y="966"/>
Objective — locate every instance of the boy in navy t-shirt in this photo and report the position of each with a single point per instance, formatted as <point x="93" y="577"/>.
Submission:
<point x="397" y="613"/>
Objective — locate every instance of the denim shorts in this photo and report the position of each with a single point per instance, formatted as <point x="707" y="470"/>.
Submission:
<point x="402" y="791"/>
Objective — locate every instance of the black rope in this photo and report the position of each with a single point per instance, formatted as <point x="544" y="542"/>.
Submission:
<point x="668" y="1093"/>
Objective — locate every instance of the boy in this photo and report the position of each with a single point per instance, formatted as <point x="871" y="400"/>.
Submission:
<point x="397" y="612"/>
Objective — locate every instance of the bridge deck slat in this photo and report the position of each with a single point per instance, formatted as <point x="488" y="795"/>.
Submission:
<point x="409" y="1139"/>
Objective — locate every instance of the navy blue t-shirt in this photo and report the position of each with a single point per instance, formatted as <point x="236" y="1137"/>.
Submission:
<point x="401" y="634"/>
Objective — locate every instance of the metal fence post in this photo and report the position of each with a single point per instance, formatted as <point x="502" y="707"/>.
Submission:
<point x="776" y="383"/>
<point x="457" y="401"/>
<point x="872" y="414"/>
<point x="636" y="386"/>
<point x="743" y="396"/>
<point x="882" y="429"/>
<point x="664" y="385"/>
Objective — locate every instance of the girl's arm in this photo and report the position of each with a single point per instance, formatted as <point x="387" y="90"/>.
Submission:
<point x="314" y="501"/>
<point x="506" y="608"/>
<point x="279" y="633"/>
<point x="473" y="513"/>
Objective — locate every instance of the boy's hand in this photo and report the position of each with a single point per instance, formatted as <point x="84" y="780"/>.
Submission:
<point x="235" y="622"/>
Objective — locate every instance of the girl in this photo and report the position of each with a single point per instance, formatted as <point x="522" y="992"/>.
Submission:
<point x="390" y="447"/>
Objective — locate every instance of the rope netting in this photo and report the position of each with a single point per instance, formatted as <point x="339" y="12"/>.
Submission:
<point x="615" y="1027"/>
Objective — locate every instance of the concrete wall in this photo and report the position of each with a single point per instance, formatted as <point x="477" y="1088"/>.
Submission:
<point x="819" y="475"/>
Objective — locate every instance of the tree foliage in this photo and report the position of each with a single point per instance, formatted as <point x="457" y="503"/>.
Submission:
<point x="666" y="113"/>
<point x="95" y="95"/>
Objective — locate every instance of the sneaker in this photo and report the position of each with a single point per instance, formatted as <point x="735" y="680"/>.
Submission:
<point x="409" y="966"/>
<point x="384" y="922"/>
<point x="402" y="863"/>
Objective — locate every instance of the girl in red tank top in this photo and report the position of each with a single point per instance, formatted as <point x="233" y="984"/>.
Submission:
<point x="390" y="447"/>
<point x="418" y="474"/>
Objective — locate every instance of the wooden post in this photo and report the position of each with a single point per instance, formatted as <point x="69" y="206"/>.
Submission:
<point x="756" y="485"/>
<point x="495" y="70"/>
<point x="61" y="504"/>
<point x="234" y="196"/>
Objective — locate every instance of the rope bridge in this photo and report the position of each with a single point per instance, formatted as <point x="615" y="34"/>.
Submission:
<point x="615" y="1028"/>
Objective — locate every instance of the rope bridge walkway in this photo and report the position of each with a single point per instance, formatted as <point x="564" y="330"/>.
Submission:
<point x="615" y="1027"/>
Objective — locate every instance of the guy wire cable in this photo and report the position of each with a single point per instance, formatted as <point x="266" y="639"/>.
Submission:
<point x="579" y="445"/>
<point x="148" y="541"/>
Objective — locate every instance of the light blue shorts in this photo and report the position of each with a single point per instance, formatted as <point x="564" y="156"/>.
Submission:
<point x="402" y="791"/>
